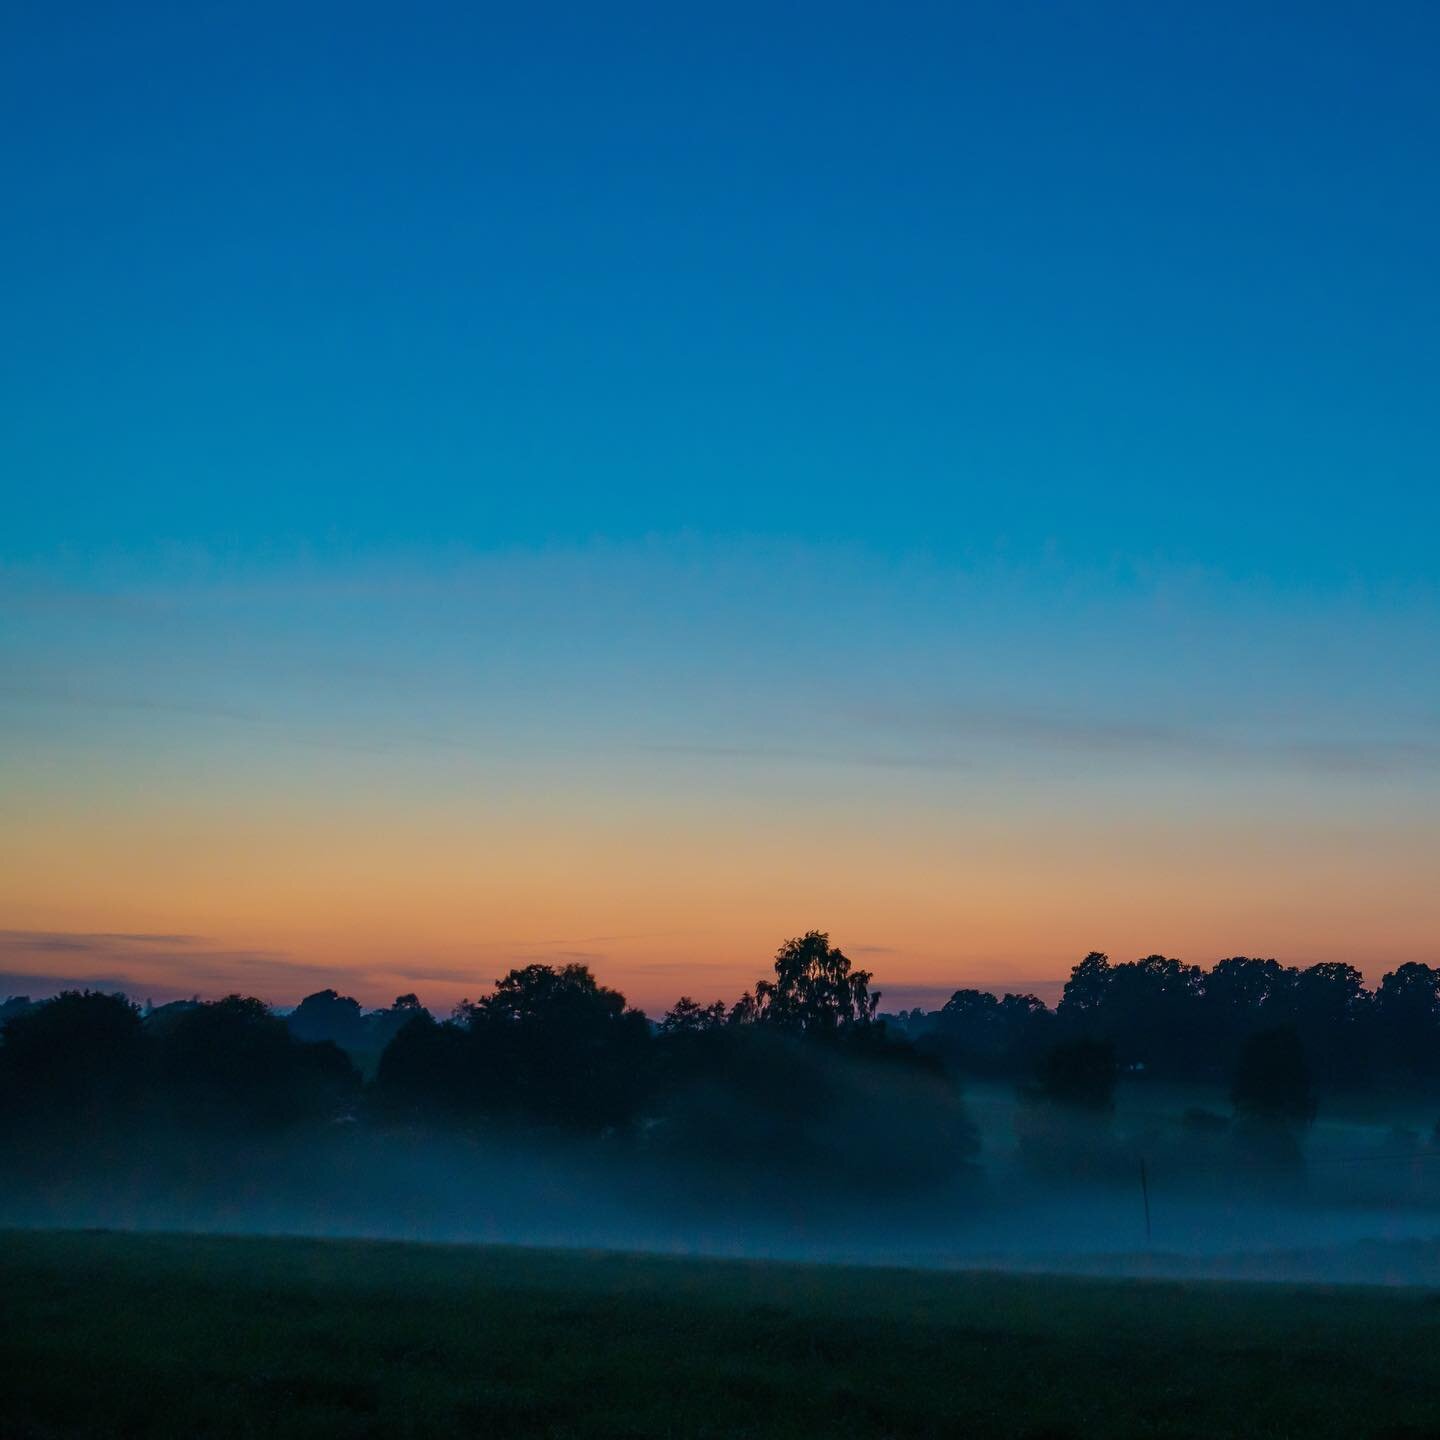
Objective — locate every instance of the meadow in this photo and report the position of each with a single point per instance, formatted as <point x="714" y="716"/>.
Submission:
<point x="149" y="1335"/>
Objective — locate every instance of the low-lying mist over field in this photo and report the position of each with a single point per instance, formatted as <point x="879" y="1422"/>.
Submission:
<point x="796" y="1123"/>
<point x="1364" y="1206"/>
<point x="1377" y="1223"/>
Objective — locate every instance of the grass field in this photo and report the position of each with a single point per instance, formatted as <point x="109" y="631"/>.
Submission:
<point x="105" y="1334"/>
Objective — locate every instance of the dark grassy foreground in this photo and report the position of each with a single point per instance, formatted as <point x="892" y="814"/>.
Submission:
<point x="104" y="1334"/>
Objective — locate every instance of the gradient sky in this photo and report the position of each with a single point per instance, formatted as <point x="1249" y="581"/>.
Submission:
<point x="630" y="483"/>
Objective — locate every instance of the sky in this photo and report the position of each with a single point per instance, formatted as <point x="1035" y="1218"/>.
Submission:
<point x="627" y="484"/>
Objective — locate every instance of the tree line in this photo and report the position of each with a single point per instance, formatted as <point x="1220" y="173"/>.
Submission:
<point x="802" y="1075"/>
<point x="790" y="1077"/>
<point x="1183" y="1022"/>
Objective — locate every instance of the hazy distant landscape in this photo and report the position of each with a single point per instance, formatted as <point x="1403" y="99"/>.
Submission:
<point x="1250" y="1120"/>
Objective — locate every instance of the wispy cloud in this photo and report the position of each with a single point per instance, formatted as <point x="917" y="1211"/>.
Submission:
<point x="1140" y="740"/>
<point x="565" y="957"/>
<point x="819" y="755"/>
<point x="167" y="965"/>
<point x="83" y="942"/>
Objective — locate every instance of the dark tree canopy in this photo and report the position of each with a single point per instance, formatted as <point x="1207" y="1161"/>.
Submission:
<point x="424" y="1073"/>
<point x="76" y="1062"/>
<point x="976" y="1033"/>
<point x="1181" y="1022"/>
<point x="1088" y="985"/>
<point x="233" y="1062"/>
<point x="327" y="1015"/>
<point x="557" y="1047"/>
<point x="686" y="1017"/>
<point x="815" y="989"/>
<point x="385" y="1025"/>
<point x="1407" y="1017"/>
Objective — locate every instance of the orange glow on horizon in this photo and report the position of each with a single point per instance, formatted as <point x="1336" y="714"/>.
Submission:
<point x="279" y="900"/>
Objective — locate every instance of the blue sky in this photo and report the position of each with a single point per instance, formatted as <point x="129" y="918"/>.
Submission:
<point x="981" y="417"/>
<point x="1130" y="281"/>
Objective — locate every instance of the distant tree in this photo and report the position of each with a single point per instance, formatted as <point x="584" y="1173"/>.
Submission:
<point x="424" y="1073"/>
<point x="327" y="1015"/>
<point x="1248" y="989"/>
<point x="966" y="1033"/>
<point x="158" y="1017"/>
<point x="688" y="1017"/>
<point x="745" y="1011"/>
<point x="1272" y="1079"/>
<point x="1154" y="1006"/>
<point x="816" y="990"/>
<point x="1027" y="1027"/>
<point x="556" y="1046"/>
<point x="967" y="1009"/>
<point x="384" y="1025"/>
<point x="1149" y="1009"/>
<point x="1332" y="1011"/>
<point x="693" y="1042"/>
<point x="13" y="1007"/>
<point x="73" y="1066"/>
<point x="1239" y="996"/>
<point x="232" y="1063"/>
<point x="913" y="1023"/>
<point x="1087" y="988"/>
<point x="1407" y="1018"/>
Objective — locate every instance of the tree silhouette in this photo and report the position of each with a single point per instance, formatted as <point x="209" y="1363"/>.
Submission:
<point x="975" y="1033"/>
<point x="1407" y="1016"/>
<point x="1332" y="1011"/>
<point x="1087" y="988"/>
<point x="815" y="989"/>
<point x="745" y="1011"/>
<point x="382" y="1026"/>
<point x="686" y="1017"/>
<point x="14" y="1007"/>
<point x="233" y="1063"/>
<point x="424" y="1073"/>
<point x="74" y="1067"/>
<point x="327" y="1015"/>
<point x="555" y="1046"/>
<point x="1240" y="996"/>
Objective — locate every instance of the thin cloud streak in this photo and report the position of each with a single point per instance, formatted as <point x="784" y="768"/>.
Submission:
<point x="810" y="756"/>
<point x="159" y="964"/>
<point x="1138" y="740"/>
<point x="178" y="966"/>
<point x="87" y="941"/>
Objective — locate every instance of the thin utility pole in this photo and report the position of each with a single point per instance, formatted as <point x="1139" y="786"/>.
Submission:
<point x="1145" y="1196"/>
